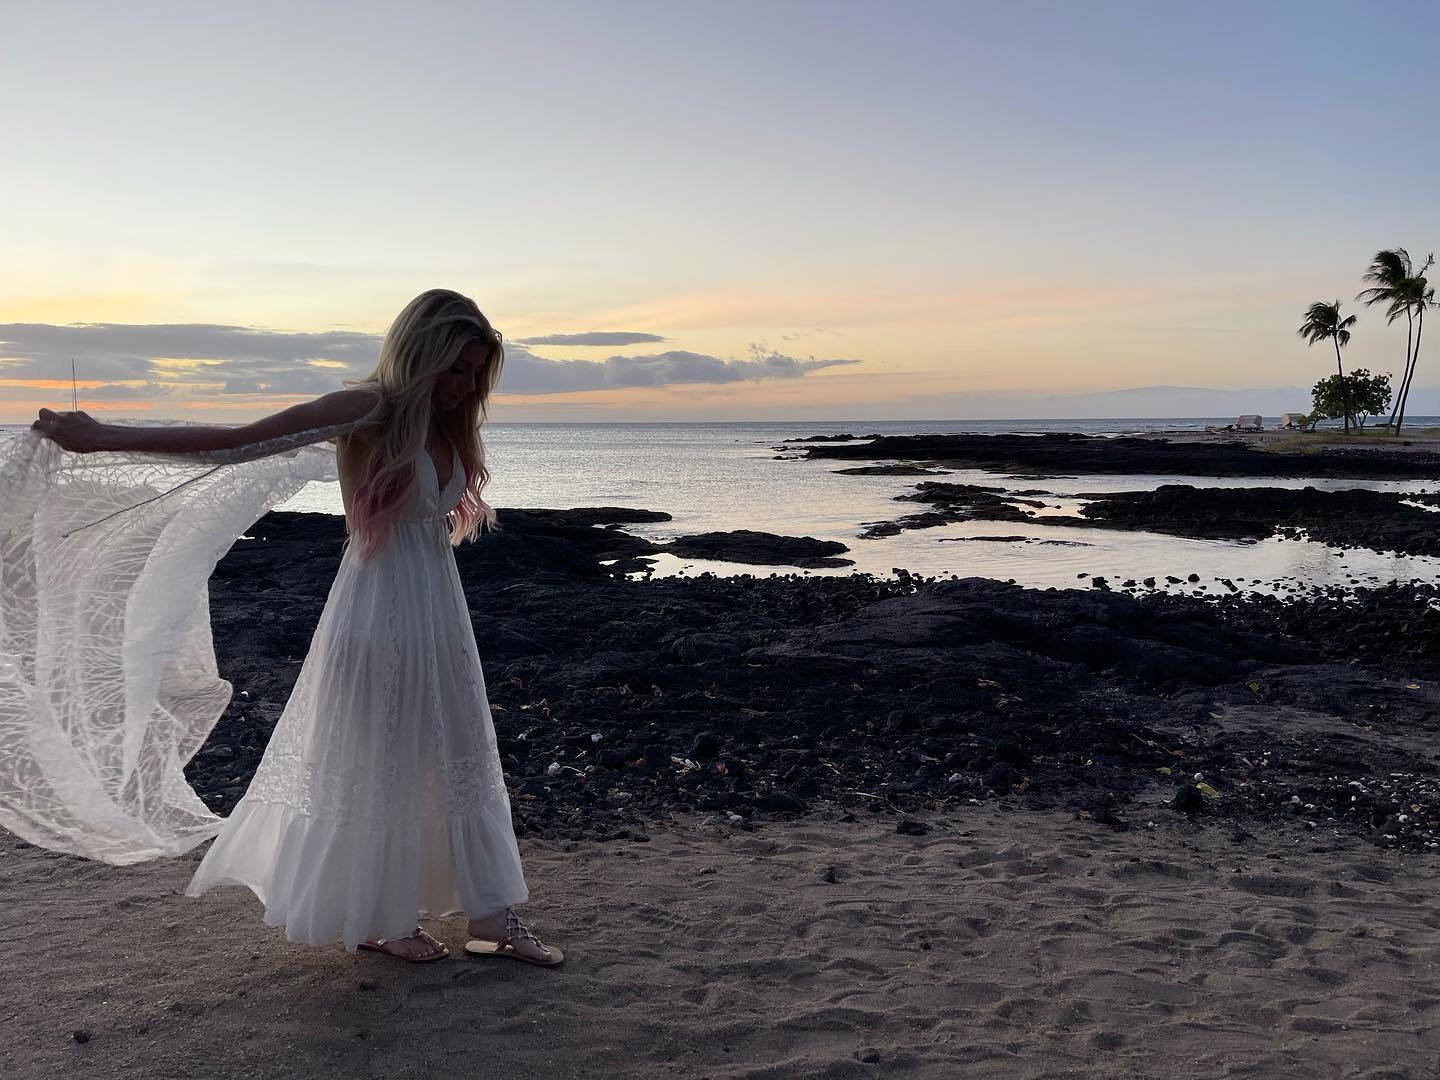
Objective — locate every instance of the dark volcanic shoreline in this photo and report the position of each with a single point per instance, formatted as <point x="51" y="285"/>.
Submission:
<point x="1070" y="454"/>
<point x="1352" y="518"/>
<point x="754" y="696"/>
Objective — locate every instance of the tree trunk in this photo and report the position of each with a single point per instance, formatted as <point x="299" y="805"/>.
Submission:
<point x="1414" y="362"/>
<point x="1401" y="396"/>
<point x="1404" y="371"/>
<point x="1344" y="393"/>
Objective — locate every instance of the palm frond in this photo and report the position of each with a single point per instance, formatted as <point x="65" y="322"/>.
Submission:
<point x="1396" y="309"/>
<point x="1390" y="265"/>
<point x="1321" y="321"/>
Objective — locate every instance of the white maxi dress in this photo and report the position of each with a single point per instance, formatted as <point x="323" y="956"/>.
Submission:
<point x="380" y="797"/>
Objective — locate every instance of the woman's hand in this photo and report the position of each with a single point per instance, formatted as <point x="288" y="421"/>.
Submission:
<point x="78" y="432"/>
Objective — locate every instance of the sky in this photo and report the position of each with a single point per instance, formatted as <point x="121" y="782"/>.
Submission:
<point x="710" y="211"/>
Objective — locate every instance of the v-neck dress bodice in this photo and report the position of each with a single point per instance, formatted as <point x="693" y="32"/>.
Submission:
<point x="431" y="499"/>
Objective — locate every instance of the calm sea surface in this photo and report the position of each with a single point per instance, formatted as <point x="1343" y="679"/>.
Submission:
<point x="726" y="476"/>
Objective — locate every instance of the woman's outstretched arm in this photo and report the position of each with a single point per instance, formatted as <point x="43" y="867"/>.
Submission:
<point x="79" y="432"/>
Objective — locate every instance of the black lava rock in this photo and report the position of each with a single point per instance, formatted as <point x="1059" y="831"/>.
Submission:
<point x="1188" y="800"/>
<point x="705" y="746"/>
<point x="778" y="801"/>
<point x="1001" y="777"/>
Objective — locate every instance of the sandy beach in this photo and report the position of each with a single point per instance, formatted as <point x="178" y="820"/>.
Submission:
<point x="1000" y="943"/>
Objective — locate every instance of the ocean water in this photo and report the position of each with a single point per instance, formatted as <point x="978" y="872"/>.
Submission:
<point x="721" y="476"/>
<point x="730" y="476"/>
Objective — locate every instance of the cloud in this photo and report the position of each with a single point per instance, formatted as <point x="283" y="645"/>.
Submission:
<point x="123" y="392"/>
<point x="236" y="359"/>
<point x="60" y="392"/>
<point x="205" y="360"/>
<point x="611" y="338"/>
<point x="537" y="375"/>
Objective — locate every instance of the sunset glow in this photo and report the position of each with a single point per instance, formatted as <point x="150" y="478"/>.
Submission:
<point x="943" y="206"/>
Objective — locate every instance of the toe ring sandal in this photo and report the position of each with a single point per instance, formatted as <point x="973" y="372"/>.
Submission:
<point x="438" y="951"/>
<point x="514" y="928"/>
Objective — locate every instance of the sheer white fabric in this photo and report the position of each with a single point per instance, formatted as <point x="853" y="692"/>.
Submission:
<point x="380" y="794"/>
<point x="108" y="681"/>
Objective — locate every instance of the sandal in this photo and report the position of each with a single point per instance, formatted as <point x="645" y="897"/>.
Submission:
<point x="438" y="950"/>
<point x="514" y="928"/>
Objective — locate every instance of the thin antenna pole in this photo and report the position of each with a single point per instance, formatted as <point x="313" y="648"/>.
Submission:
<point x="74" y="391"/>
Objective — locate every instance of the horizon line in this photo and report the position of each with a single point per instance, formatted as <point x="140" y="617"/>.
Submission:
<point x="873" y="420"/>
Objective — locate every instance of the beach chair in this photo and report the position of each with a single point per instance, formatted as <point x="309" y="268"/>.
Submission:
<point x="1294" y="420"/>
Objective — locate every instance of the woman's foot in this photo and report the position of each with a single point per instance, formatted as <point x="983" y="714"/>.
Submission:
<point x="506" y="928"/>
<point x="418" y="948"/>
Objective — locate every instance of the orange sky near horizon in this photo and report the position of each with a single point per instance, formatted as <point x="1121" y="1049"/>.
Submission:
<point x="910" y="343"/>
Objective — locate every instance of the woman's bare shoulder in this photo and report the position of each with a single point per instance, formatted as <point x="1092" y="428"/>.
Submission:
<point x="360" y="403"/>
<point x="348" y="405"/>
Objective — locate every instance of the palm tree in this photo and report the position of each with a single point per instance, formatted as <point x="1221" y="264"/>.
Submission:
<point x="1323" y="322"/>
<point x="1404" y="292"/>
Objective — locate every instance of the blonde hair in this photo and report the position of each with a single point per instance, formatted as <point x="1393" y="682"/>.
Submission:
<point x="423" y="342"/>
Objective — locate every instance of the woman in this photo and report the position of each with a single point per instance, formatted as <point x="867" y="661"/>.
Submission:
<point x="380" y="795"/>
